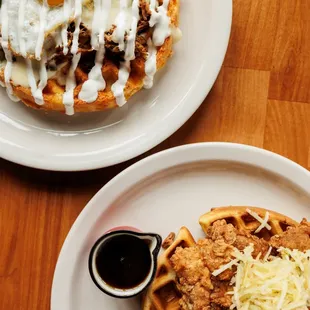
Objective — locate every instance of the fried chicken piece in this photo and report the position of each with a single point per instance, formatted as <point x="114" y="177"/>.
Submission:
<point x="221" y="240"/>
<point x="194" y="280"/>
<point x="218" y="295"/>
<point x="244" y="239"/>
<point x="294" y="237"/>
<point x="216" y="254"/>
<point x="194" y="266"/>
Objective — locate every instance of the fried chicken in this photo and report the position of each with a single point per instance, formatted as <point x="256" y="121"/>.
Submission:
<point x="294" y="238"/>
<point x="221" y="240"/>
<point x="194" y="266"/>
<point x="193" y="278"/>
<point x="219" y="296"/>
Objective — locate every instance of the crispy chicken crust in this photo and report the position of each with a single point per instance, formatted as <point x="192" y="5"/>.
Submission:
<point x="194" y="266"/>
<point x="294" y="238"/>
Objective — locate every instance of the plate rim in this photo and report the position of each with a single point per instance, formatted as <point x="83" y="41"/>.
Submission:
<point x="207" y="151"/>
<point x="14" y="153"/>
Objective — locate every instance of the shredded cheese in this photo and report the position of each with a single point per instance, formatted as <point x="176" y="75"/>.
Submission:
<point x="225" y="267"/>
<point x="264" y="222"/>
<point x="274" y="283"/>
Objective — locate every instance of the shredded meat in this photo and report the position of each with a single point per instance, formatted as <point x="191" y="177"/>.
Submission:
<point x="145" y="13"/>
<point x="112" y="48"/>
<point x="294" y="238"/>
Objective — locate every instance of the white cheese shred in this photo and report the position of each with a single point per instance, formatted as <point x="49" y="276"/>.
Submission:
<point x="273" y="283"/>
<point x="263" y="222"/>
<point x="225" y="267"/>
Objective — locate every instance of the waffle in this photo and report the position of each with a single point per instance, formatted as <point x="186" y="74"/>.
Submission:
<point x="242" y="220"/>
<point x="163" y="293"/>
<point x="54" y="90"/>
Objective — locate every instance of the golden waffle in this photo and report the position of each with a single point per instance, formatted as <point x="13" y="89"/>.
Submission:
<point x="53" y="92"/>
<point x="163" y="293"/>
<point x="241" y="219"/>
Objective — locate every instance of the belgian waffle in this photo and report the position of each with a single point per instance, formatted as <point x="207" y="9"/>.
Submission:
<point x="241" y="219"/>
<point x="163" y="293"/>
<point x="123" y="77"/>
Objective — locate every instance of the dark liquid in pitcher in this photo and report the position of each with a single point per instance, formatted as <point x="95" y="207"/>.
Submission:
<point x="124" y="261"/>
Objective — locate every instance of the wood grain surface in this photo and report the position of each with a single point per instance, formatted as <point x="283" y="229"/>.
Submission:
<point x="261" y="98"/>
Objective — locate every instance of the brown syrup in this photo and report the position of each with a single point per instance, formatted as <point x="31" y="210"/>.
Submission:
<point x="124" y="261"/>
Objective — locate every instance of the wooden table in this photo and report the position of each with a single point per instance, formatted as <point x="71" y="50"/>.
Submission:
<point x="261" y="97"/>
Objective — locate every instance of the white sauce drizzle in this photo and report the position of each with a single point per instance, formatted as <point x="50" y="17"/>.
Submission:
<point x="159" y="21"/>
<point x="7" y="52"/>
<point x="64" y="31"/>
<point x="99" y="21"/>
<point x="20" y="28"/>
<point x="68" y="97"/>
<point x="40" y="41"/>
<point x="78" y="14"/>
<point x="124" y="70"/>
<point x="131" y="39"/>
<point x="150" y="65"/>
<point x="119" y="86"/>
<point x="37" y="91"/>
<point x="120" y="22"/>
<point x="38" y="95"/>
<point x="96" y="82"/>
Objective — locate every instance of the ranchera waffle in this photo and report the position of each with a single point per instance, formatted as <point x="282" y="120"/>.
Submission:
<point x="165" y="293"/>
<point x="84" y="55"/>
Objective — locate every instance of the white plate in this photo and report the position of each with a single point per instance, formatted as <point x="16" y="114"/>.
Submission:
<point x="58" y="142"/>
<point x="170" y="189"/>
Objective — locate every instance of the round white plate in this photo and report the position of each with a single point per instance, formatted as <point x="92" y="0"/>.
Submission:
<point x="166" y="191"/>
<point x="59" y="142"/>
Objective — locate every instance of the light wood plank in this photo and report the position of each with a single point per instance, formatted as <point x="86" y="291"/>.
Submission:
<point x="288" y="130"/>
<point x="234" y="112"/>
<point x="253" y="34"/>
<point x="290" y="74"/>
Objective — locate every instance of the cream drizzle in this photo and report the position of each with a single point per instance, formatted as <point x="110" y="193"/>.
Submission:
<point x="99" y="21"/>
<point x="159" y="21"/>
<point x="120" y="22"/>
<point x="124" y="70"/>
<point x="64" y="31"/>
<point x="41" y="35"/>
<point x="96" y="82"/>
<point x="20" y="28"/>
<point x="38" y="95"/>
<point x="78" y="14"/>
<point x="37" y="91"/>
<point x="7" y="52"/>
<point x="68" y="97"/>
<point x="150" y="65"/>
